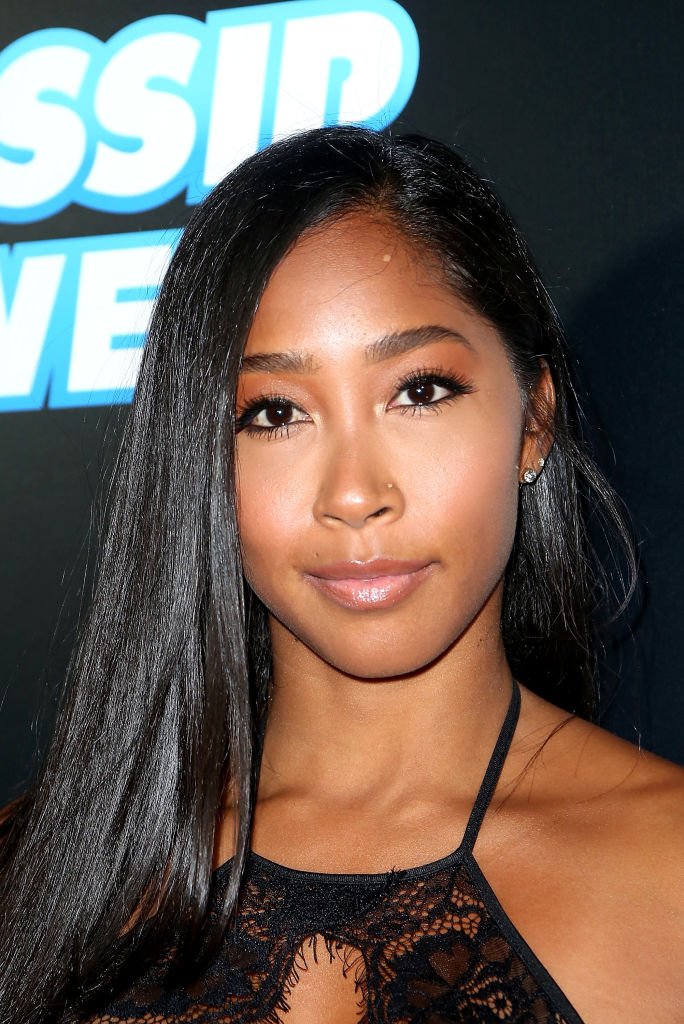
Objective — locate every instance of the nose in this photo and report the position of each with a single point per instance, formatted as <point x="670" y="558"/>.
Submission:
<point x="357" y="487"/>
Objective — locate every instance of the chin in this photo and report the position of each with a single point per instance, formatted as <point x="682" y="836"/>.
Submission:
<point x="391" y="662"/>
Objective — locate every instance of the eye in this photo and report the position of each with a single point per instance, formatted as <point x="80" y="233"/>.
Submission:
<point x="429" y="388"/>
<point x="270" y="416"/>
<point x="424" y="392"/>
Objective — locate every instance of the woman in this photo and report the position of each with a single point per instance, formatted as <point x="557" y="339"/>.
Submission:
<point x="315" y="761"/>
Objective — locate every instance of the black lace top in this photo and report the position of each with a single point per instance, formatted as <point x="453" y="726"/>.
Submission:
<point x="424" y="945"/>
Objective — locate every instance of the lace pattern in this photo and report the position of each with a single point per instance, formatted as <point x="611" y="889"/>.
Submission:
<point x="427" y="949"/>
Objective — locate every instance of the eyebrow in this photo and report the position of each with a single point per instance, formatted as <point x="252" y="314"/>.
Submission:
<point x="387" y="347"/>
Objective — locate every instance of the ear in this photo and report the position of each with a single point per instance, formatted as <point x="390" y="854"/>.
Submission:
<point x="540" y="413"/>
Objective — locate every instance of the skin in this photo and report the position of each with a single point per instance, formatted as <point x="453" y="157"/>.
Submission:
<point x="382" y="720"/>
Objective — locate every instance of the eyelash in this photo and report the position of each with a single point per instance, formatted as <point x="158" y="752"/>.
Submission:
<point x="426" y="375"/>
<point x="433" y="375"/>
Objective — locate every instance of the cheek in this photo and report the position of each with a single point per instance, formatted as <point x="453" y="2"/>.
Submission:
<point x="467" y="489"/>
<point x="269" y="514"/>
<point x="489" y="511"/>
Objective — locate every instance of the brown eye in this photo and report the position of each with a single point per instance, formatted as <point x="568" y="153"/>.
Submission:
<point x="420" y="393"/>
<point x="269" y="416"/>
<point x="274" y="415"/>
<point x="423" y="392"/>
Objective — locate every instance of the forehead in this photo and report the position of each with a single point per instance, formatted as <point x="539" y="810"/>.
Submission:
<point x="354" y="279"/>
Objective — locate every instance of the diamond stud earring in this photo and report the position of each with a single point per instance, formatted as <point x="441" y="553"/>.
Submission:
<point x="530" y="475"/>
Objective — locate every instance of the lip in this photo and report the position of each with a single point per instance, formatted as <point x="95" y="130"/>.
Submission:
<point x="379" y="583"/>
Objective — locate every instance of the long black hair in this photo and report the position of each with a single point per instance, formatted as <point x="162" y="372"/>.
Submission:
<point x="108" y="854"/>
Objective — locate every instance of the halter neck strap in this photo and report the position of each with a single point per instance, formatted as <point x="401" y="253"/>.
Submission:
<point x="493" y="773"/>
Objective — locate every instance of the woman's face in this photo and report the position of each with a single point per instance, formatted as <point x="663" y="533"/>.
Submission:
<point x="379" y="419"/>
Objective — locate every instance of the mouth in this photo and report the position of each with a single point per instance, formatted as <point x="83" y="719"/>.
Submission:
<point x="379" y="583"/>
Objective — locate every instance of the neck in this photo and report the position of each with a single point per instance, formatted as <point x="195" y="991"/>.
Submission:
<point x="343" y="739"/>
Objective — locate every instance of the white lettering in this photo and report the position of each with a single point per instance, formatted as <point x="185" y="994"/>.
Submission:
<point x="336" y="68"/>
<point x="97" y="363"/>
<point x="238" y="97"/>
<point x="24" y="327"/>
<point x="130" y="101"/>
<point x="50" y="138"/>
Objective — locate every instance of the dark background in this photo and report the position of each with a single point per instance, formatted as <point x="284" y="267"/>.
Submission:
<point x="572" y="111"/>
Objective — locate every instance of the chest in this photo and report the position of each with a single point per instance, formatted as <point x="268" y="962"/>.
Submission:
<point x="421" y="947"/>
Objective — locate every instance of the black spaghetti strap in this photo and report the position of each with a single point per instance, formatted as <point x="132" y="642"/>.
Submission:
<point x="491" y="776"/>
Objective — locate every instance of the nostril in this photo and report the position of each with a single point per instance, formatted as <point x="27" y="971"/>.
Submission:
<point x="380" y="512"/>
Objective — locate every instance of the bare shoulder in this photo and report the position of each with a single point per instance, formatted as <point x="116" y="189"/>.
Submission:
<point x="622" y="801"/>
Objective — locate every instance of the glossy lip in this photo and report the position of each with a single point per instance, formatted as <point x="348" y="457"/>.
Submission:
<point x="379" y="583"/>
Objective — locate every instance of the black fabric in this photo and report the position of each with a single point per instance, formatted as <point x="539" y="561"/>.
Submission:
<point x="424" y="945"/>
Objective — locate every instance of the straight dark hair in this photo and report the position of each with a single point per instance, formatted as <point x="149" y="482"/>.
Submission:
<point x="107" y="856"/>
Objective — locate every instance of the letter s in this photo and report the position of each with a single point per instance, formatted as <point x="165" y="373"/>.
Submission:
<point x="43" y="140"/>
<point x="146" y="122"/>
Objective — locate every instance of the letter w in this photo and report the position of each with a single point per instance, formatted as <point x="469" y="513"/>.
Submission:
<point x="28" y="291"/>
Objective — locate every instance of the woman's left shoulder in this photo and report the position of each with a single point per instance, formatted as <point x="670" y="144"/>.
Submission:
<point x="602" y="822"/>
<point x="630" y="801"/>
<point x="634" y="782"/>
<point x="642" y="795"/>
